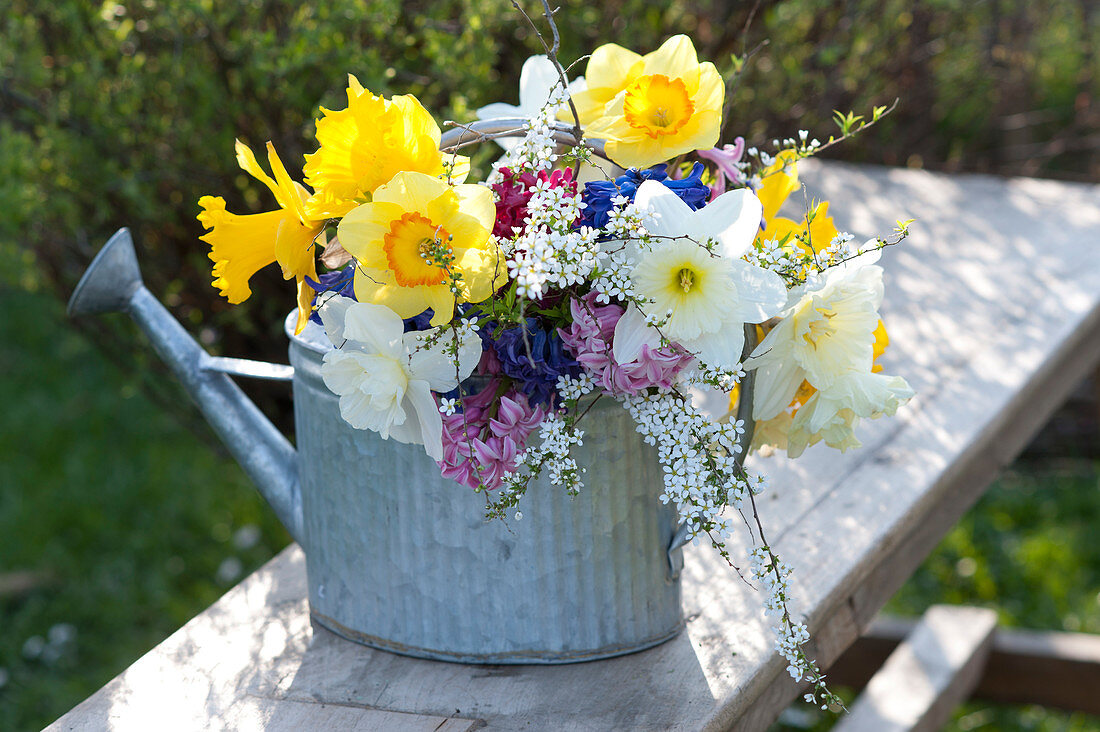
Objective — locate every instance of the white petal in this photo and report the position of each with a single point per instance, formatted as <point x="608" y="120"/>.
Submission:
<point x="333" y="311"/>
<point x="631" y="333"/>
<point x="670" y="213"/>
<point x="761" y="292"/>
<point x="778" y="375"/>
<point x="434" y="366"/>
<point x="868" y="394"/>
<point x="376" y="327"/>
<point x="537" y="77"/>
<point x="431" y="422"/>
<point x="722" y="348"/>
<point x="733" y="219"/>
<point x="341" y="372"/>
<point x="499" y="109"/>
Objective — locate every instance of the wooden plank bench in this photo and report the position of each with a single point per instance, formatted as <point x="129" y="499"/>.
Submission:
<point x="1049" y="668"/>
<point x="927" y="675"/>
<point x="993" y="309"/>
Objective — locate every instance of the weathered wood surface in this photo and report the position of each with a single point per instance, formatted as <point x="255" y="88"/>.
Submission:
<point x="927" y="675"/>
<point x="1049" y="668"/>
<point x="993" y="308"/>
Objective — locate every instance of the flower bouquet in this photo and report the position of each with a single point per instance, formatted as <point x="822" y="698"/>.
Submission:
<point x="618" y="263"/>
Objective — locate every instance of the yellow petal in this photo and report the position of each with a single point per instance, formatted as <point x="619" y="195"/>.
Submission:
<point x="442" y="302"/>
<point x="247" y="160"/>
<point x="412" y="191"/>
<point x="292" y="194"/>
<point x="777" y="182"/>
<point x="882" y="340"/>
<point x="590" y="105"/>
<point x="354" y="87"/>
<point x="477" y="201"/>
<point x="325" y="205"/>
<point x="364" y="146"/>
<point x="711" y="91"/>
<point x="378" y="286"/>
<point x="239" y="245"/>
<point x="459" y="167"/>
<point x="674" y="58"/>
<point x="362" y="231"/>
<point x="611" y="67"/>
<point x="305" y="305"/>
<point x="295" y="248"/>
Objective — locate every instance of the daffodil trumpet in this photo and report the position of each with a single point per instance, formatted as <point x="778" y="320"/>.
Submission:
<point x="240" y="245"/>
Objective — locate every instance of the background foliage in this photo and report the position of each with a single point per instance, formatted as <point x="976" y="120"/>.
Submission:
<point x="124" y="113"/>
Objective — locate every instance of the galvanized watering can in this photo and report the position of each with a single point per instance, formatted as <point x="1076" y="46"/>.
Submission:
<point x="400" y="558"/>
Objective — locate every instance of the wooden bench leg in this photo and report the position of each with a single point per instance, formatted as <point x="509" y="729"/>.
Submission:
<point x="927" y="675"/>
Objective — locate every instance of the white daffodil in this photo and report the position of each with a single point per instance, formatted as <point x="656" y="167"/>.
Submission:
<point x="832" y="415"/>
<point x="537" y="79"/>
<point x="814" y="376"/>
<point x="827" y="331"/>
<point x="385" y="377"/>
<point x="693" y="273"/>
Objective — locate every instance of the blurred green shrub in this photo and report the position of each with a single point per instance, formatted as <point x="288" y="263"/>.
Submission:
<point x="124" y="113"/>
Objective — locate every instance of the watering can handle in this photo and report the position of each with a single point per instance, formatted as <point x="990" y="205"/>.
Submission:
<point x="247" y="368"/>
<point x="675" y="556"/>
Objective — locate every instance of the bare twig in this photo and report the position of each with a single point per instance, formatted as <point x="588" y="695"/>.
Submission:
<point x="552" y="54"/>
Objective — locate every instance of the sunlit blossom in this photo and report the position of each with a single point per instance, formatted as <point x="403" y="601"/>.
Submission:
<point x="651" y="108"/>
<point x="384" y="376"/>
<point x="706" y="295"/>
<point x="537" y="78"/>
<point x="240" y="245"/>
<point x="401" y="238"/>
<point x="827" y="341"/>
<point x="363" y="146"/>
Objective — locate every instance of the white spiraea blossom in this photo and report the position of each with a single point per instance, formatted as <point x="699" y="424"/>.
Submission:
<point x="384" y="376"/>
<point x="693" y="276"/>
<point x="827" y="339"/>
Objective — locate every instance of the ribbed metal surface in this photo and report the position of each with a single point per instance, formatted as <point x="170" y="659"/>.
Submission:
<point x="402" y="559"/>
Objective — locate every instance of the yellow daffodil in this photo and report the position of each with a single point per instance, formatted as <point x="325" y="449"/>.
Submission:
<point x="364" y="146"/>
<point x="400" y="237"/>
<point x="241" y="244"/>
<point x="651" y="108"/>
<point x="777" y="183"/>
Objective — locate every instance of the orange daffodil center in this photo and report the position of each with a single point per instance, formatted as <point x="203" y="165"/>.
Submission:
<point x="657" y="105"/>
<point x="397" y="236"/>
<point x="651" y="108"/>
<point x="409" y="248"/>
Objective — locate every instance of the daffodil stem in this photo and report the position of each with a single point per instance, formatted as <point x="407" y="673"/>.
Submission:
<point x="744" y="402"/>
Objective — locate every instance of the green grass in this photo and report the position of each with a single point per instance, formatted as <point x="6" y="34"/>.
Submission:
<point x="128" y="517"/>
<point x="125" y="515"/>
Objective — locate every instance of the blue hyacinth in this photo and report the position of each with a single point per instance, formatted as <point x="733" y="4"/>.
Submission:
<point x="537" y="375"/>
<point x="598" y="195"/>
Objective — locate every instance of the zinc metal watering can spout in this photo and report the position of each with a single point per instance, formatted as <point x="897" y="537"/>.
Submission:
<point x="113" y="283"/>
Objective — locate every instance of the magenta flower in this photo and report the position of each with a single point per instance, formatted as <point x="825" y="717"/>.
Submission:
<point x="726" y="159"/>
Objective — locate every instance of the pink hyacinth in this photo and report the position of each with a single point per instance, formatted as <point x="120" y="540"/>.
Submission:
<point x="479" y="447"/>
<point x="590" y="338"/>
